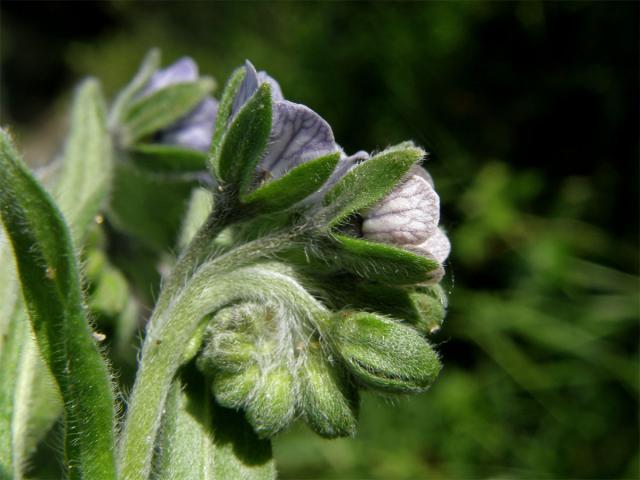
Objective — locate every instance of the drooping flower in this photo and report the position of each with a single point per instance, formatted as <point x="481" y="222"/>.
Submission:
<point x="195" y="129"/>
<point x="408" y="217"/>
<point x="298" y="134"/>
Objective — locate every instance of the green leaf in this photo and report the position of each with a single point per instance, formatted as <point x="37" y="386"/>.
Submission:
<point x="162" y="108"/>
<point x="295" y="186"/>
<point x="86" y="168"/>
<point x="246" y="140"/>
<point x="222" y="119"/>
<point x="379" y="261"/>
<point x="150" y="64"/>
<point x="149" y="207"/>
<point x="369" y="182"/>
<point x="198" y="440"/>
<point x="51" y="287"/>
<point x="159" y="158"/>
<point x="240" y="453"/>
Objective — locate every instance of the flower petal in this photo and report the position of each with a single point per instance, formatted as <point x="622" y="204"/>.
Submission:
<point x="183" y="70"/>
<point x="195" y="129"/>
<point x="252" y="80"/>
<point x="407" y="216"/>
<point x="437" y="245"/>
<point x="298" y="135"/>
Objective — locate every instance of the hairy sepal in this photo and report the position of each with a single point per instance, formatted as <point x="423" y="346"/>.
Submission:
<point x="159" y="158"/>
<point x="162" y="108"/>
<point x="378" y="261"/>
<point x="383" y="354"/>
<point x="222" y="119"/>
<point x="245" y="141"/>
<point x="292" y="188"/>
<point x="367" y="183"/>
<point x="149" y="65"/>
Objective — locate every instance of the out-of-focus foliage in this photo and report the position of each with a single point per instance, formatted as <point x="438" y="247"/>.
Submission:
<point x="530" y="111"/>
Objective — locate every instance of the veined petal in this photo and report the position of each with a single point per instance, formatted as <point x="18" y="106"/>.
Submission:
<point x="438" y="245"/>
<point x="298" y="135"/>
<point x="252" y="80"/>
<point x="409" y="215"/>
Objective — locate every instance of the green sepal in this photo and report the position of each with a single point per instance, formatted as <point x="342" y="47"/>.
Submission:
<point x="162" y="108"/>
<point x="148" y="67"/>
<point x="245" y="141"/>
<point x="328" y="402"/>
<point x="159" y="158"/>
<point x="222" y="119"/>
<point x="379" y="261"/>
<point x="384" y="354"/>
<point x="431" y="305"/>
<point x="368" y="182"/>
<point x="51" y="286"/>
<point x="295" y="186"/>
<point x="272" y="405"/>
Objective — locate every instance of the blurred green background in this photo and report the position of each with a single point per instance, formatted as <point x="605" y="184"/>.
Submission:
<point x="530" y="112"/>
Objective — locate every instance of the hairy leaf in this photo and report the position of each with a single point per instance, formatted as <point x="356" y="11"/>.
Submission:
<point x="51" y="286"/>
<point x="198" y="440"/>
<point x="87" y="163"/>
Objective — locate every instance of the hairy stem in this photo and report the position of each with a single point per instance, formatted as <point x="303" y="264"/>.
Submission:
<point x="214" y="284"/>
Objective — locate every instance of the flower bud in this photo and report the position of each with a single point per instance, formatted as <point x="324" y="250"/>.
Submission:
<point x="328" y="402"/>
<point x="431" y="306"/>
<point x="272" y="406"/>
<point x="384" y="354"/>
<point x="234" y="389"/>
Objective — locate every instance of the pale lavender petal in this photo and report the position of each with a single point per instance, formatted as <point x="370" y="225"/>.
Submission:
<point x="247" y="88"/>
<point x="298" y="135"/>
<point x="194" y="130"/>
<point x="407" y="216"/>
<point x="437" y="245"/>
<point x="276" y="91"/>
<point x="183" y="70"/>
<point x="250" y="84"/>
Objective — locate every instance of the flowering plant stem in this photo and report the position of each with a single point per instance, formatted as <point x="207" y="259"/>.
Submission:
<point x="180" y="311"/>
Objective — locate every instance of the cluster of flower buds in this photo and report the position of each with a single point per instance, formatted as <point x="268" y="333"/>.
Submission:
<point x="366" y="249"/>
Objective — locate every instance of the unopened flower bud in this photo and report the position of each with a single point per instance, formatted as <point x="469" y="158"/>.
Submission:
<point x="384" y="354"/>
<point x="431" y="305"/>
<point x="272" y="406"/>
<point x="328" y="402"/>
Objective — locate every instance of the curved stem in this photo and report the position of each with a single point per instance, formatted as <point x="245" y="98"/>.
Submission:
<point x="214" y="285"/>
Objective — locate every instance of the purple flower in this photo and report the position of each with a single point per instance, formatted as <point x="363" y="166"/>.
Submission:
<point x="195" y="129"/>
<point x="298" y="134"/>
<point x="408" y="217"/>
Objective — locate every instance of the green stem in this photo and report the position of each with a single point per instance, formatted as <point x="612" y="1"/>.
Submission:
<point x="214" y="284"/>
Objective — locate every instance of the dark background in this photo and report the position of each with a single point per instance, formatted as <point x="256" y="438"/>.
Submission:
<point x="530" y="112"/>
